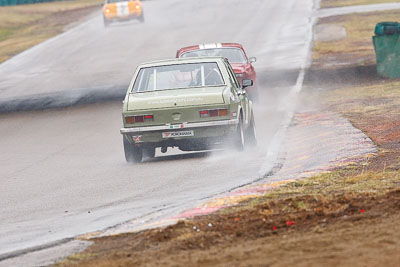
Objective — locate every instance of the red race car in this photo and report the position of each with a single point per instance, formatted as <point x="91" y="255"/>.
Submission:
<point x="242" y="66"/>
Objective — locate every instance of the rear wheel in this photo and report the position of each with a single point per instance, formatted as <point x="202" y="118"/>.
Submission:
<point x="149" y="152"/>
<point x="133" y="154"/>
<point x="106" y="22"/>
<point x="251" y="133"/>
<point x="239" y="139"/>
<point x="141" y="18"/>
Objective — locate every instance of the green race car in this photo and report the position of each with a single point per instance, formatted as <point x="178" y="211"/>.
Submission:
<point x="192" y="103"/>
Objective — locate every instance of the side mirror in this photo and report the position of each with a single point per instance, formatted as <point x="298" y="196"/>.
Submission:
<point x="252" y="59"/>
<point x="247" y="83"/>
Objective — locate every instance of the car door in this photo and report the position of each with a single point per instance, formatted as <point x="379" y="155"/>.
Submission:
<point x="240" y="94"/>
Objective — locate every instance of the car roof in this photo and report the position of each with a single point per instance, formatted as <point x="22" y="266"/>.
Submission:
<point x="208" y="46"/>
<point x="182" y="61"/>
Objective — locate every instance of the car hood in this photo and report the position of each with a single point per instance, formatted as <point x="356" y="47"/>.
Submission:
<point x="176" y="98"/>
<point x="238" y="67"/>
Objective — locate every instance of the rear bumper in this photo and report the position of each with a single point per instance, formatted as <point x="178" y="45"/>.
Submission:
<point x="122" y="18"/>
<point x="180" y="126"/>
<point x="205" y="134"/>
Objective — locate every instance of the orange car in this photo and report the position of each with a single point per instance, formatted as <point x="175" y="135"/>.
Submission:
<point x="117" y="10"/>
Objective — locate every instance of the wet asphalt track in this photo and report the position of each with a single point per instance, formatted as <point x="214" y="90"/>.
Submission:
<point x="63" y="172"/>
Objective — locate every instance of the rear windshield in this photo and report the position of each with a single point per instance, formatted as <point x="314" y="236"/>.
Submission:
<point x="234" y="55"/>
<point x="178" y="76"/>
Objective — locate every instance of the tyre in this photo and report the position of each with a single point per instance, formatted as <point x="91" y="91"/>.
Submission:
<point x="149" y="152"/>
<point x="251" y="133"/>
<point x="106" y="22"/>
<point x="239" y="138"/>
<point x="133" y="154"/>
<point x="141" y="18"/>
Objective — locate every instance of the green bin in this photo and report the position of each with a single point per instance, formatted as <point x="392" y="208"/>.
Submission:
<point x="387" y="49"/>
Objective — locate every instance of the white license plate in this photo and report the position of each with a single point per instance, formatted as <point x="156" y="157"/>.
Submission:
<point x="122" y="9"/>
<point x="177" y="134"/>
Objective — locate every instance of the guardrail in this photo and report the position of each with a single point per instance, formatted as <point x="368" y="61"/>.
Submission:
<point x="23" y="2"/>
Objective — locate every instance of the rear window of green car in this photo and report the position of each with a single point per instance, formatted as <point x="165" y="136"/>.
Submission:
<point x="178" y="76"/>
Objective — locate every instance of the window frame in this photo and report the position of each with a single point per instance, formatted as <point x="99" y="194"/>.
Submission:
<point x="132" y="91"/>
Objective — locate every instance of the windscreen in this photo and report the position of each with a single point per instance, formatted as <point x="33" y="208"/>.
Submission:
<point x="178" y="76"/>
<point x="234" y="55"/>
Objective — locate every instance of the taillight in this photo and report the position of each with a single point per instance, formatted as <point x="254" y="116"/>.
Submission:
<point x="204" y="113"/>
<point x="130" y="120"/>
<point x="213" y="113"/>
<point x="223" y="112"/>
<point x="148" y="117"/>
<point x="138" y="119"/>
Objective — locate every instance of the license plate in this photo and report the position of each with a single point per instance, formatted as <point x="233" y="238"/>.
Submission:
<point x="122" y="9"/>
<point x="177" y="134"/>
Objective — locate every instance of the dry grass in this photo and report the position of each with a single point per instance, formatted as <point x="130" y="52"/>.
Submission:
<point x="341" y="182"/>
<point x="339" y="3"/>
<point x="352" y="180"/>
<point x="318" y="209"/>
<point x="369" y="100"/>
<point x="371" y="105"/>
<point x="24" y="26"/>
<point x="373" y="98"/>
<point x="357" y="47"/>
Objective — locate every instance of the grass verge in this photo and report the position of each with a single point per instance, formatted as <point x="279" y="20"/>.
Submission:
<point x="357" y="48"/>
<point x="341" y="3"/>
<point x="24" y="26"/>
<point x="356" y="91"/>
<point x="306" y="223"/>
